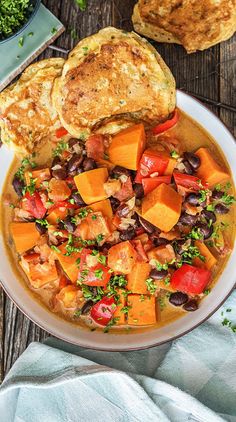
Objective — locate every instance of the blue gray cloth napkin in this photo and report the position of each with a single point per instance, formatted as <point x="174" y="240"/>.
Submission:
<point x="190" y="379"/>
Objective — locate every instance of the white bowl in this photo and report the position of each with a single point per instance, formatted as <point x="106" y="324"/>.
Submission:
<point x="99" y="340"/>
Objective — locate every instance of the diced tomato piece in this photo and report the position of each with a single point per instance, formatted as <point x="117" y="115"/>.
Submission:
<point x="137" y="244"/>
<point x="61" y="132"/>
<point x="34" y="205"/>
<point x="102" y="312"/>
<point x="92" y="275"/>
<point x="32" y="257"/>
<point x="126" y="192"/>
<point x="151" y="183"/>
<point x="162" y="127"/>
<point x="151" y="162"/>
<point x="188" y="181"/>
<point x="190" y="279"/>
<point x="95" y="147"/>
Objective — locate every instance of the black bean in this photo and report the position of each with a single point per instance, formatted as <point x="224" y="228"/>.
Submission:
<point x="193" y="160"/>
<point x="192" y="199"/>
<point x="60" y="174"/>
<point x="114" y="203"/>
<point x="69" y="225"/>
<point x="77" y="198"/>
<point x="191" y="306"/>
<point x="187" y="219"/>
<point x="74" y="163"/>
<point x="89" y="164"/>
<point x="217" y="194"/>
<point x="56" y="161"/>
<point x="123" y="210"/>
<point x="209" y="216"/>
<point x="128" y="234"/>
<point x="73" y="141"/>
<point x="41" y="229"/>
<point x="205" y="230"/>
<point x="221" y="209"/>
<point x="148" y="227"/>
<point x="86" y="307"/>
<point x="158" y="275"/>
<point x="18" y="185"/>
<point x="188" y="167"/>
<point x="120" y="171"/>
<point x="178" y="298"/>
<point x="138" y="190"/>
<point x="137" y="222"/>
<point x="158" y="241"/>
<point x="179" y="247"/>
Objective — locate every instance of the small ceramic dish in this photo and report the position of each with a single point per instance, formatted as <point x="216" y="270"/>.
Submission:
<point x="146" y="338"/>
<point x="33" y="8"/>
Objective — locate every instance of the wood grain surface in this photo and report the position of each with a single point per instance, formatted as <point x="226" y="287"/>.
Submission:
<point x="210" y="74"/>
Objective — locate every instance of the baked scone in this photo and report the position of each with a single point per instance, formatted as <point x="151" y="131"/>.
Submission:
<point x="27" y="115"/>
<point x="113" y="74"/>
<point x="196" y="24"/>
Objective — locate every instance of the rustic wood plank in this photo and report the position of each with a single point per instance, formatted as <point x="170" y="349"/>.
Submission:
<point x="199" y="73"/>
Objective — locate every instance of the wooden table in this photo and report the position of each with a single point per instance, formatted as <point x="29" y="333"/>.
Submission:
<point x="210" y="74"/>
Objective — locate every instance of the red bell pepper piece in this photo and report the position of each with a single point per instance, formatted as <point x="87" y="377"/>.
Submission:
<point x="188" y="181"/>
<point x="61" y="132"/>
<point x="190" y="279"/>
<point x="151" y="183"/>
<point x="151" y="162"/>
<point x="63" y="204"/>
<point x="97" y="275"/>
<point x="34" y="205"/>
<point x="163" y="127"/>
<point x="102" y="312"/>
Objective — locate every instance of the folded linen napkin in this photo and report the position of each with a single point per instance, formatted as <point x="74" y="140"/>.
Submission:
<point x="191" y="379"/>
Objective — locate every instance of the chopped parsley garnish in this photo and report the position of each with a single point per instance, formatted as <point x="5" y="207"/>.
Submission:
<point x="112" y="322"/>
<point x="42" y="222"/>
<point x="195" y="233"/>
<point x="82" y="4"/>
<point x="207" y="292"/>
<point x="21" y="42"/>
<point x="26" y="162"/>
<point x="125" y="309"/>
<point x="73" y="34"/>
<point x="31" y="187"/>
<point x="77" y="313"/>
<point x="191" y="253"/>
<point x="98" y="273"/>
<point x="70" y="248"/>
<point x="203" y="193"/>
<point x="61" y="147"/>
<point x="174" y="154"/>
<point x="53" y="30"/>
<point x="151" y="285"/>
<point x="100" y="238"/>
<point x="55" y="248"/>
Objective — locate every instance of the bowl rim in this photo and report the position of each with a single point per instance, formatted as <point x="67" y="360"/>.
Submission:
<point x="55" y="332"/>
<point x="29" y="20"/>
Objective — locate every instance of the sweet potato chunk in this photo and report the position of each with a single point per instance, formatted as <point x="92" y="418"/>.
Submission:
<point x="137" y="278"/>
<point x="90" y="185"/>
<point x="121" y="257"/>
<point x="58" y="190"/>
<point x="40" y="175"/>
<point x="142" y="311"/>
<point x="209" y="170"/>
<point x="70" y="297"/>
<point x="39" y="275"/>
<point x="104" y="207"/>
<point x="56" y="215"/>
<point x="210" y="260"/>
<point x="25" y="236"/>
<point x="170" y="166"/>
<point x="127" y="147"/>
<point x="162" y="207"/>
<point x="162" y="254"/>
<point x="94" y="225"/>
<point x="118" y="313"/>
<point x="68" y="263"/>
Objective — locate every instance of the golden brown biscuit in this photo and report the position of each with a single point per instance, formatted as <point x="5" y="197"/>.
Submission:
<point x="196" y="24"/>
<point x="26" y="110"/>
<point x="113" y="74"/>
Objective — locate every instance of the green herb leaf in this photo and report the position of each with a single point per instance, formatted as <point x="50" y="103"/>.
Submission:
<point x="82" y="4"/>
